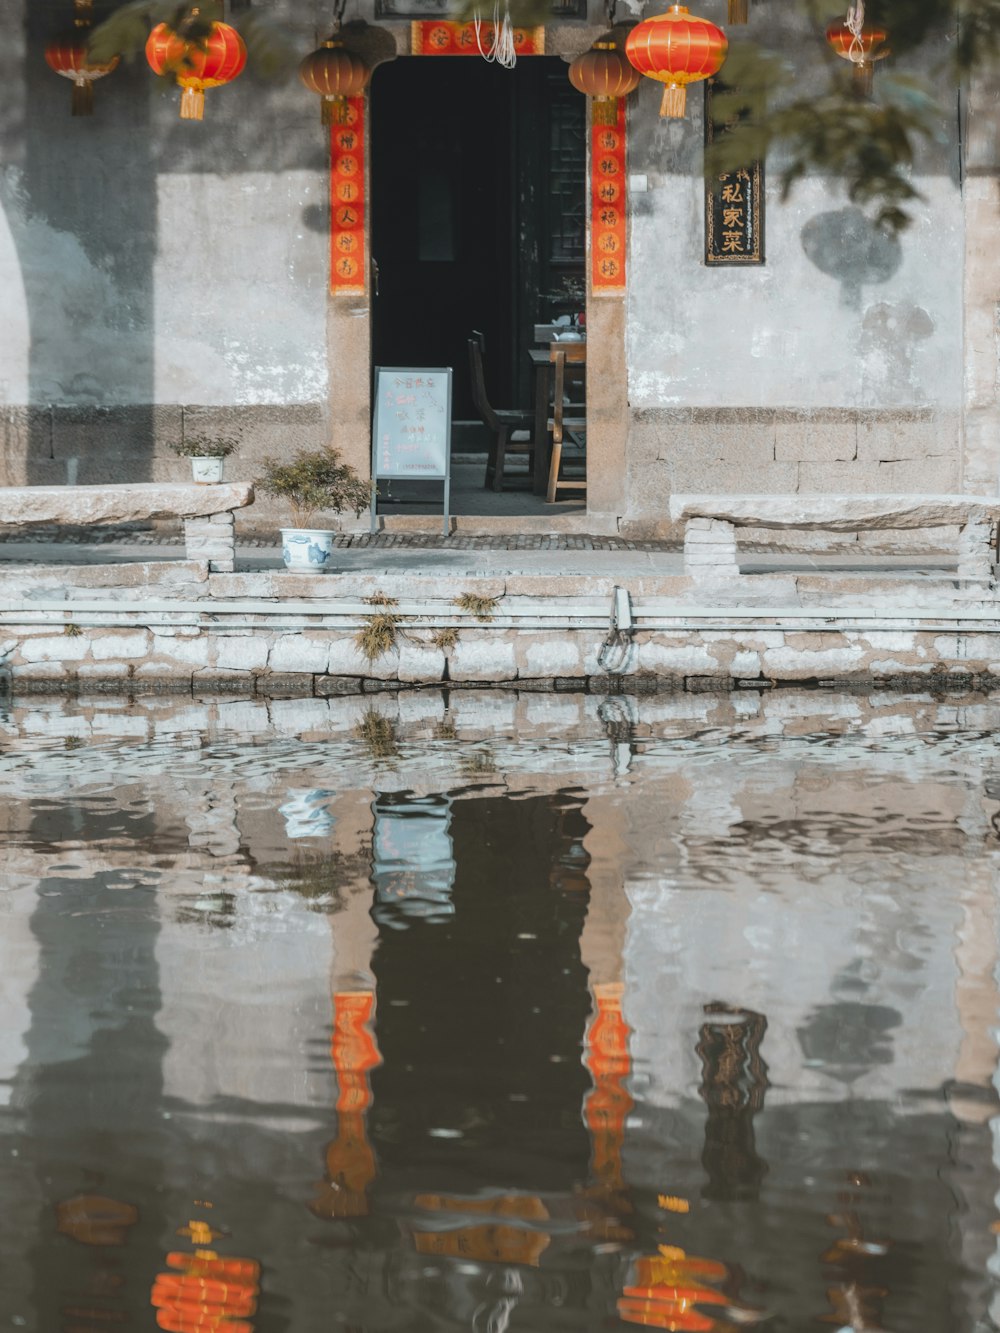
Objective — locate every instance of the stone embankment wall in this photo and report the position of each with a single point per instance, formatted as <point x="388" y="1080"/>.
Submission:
<point x="173" y="626"/>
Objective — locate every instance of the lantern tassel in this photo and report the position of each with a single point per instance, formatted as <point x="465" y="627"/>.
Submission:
<point x="864" y="78"/>
<point x="326" y="110"/>
<point x="605" y="111"/>
<point x="739" y="11"/>
<point x="83" y="98"/>
<point x="192" y="104"/>
<point x="674" y="101"/>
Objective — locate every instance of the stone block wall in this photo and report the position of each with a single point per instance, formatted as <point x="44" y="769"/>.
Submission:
<point x="326" y="661"/>
<point x="784" y="451"/>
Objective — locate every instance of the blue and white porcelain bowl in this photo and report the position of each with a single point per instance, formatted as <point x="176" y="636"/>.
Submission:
<point x="308" y="550"/>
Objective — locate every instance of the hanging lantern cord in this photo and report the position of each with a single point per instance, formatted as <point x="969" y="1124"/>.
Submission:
<point x="855" y="26"/>
<point x="501" y="50"/>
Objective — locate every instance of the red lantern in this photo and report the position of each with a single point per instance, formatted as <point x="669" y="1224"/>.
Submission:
<point x="862" y="44"/>
<point x="68" y="57"/>
<point x="604" y="74"/>
<point x="335" y="74"/>
<point x="194" y="65"/>
<point x="676" y="49"/>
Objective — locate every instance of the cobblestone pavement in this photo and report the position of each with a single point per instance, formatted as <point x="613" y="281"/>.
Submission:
<point x="350" y="541"/>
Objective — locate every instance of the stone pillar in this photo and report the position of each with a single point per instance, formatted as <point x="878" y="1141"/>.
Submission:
<point x="212" y="538"/>
<point x="710" y="549"/>
<point x="348" y="343"/>
<point x="977" y="551"/>
<point x="981" y="304"/>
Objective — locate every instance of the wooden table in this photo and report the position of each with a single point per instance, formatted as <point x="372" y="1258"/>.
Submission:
<point x="541" y="359"/>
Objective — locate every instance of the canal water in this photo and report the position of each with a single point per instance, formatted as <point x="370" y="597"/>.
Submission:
<point x="484" y="1012"/>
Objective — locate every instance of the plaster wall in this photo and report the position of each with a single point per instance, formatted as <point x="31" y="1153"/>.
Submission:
<point x="835" y="366"/>
<point x="160" y="278"/>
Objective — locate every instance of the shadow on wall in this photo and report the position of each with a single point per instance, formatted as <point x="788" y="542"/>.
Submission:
<point x="845" y="245"/>
<point x="83" y="214"/>
<point x="132" y="232"/>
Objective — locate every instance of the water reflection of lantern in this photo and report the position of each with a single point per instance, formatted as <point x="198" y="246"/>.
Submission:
<point x="68" y="57"/>
<point x="669" y="1287"/>
<point x="196" y="65"/>
<point x="604" y="74"/>
<point x="350" y="1162"/>
<point x="676" y="49"/>
<point x="93" y="1219"/>
<point x="857" y="1297"/>
<point x="335" y="74"/>
<point x="496" y="1241"/>
<point x="734" y="1083"/>
<point x="205" y="1292"/>
<point x="859" y="42"/>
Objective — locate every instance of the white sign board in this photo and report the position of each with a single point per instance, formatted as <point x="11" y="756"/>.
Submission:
<point x="411" y="427"/>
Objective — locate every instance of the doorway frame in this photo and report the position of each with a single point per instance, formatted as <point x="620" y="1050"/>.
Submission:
<point x="349" y="348"/>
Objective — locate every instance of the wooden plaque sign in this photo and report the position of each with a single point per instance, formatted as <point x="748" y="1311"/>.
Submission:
<point x="734" y="206"/>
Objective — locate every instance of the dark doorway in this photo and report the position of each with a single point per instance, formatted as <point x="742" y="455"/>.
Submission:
<point x="477" y="214"/>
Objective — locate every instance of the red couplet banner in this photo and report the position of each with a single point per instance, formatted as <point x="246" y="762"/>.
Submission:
<point x="607" y="204"/>
<point x="348" y="249"/>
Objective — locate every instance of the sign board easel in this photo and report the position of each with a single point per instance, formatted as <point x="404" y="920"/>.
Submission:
<point x="411" y="429"/>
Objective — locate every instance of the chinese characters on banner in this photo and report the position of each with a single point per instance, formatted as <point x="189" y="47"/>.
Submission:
<point x="734" y="206"/>
<point x="436" y="37"/>
<point x="348" y="250"/>
<point x="607" y="204"/>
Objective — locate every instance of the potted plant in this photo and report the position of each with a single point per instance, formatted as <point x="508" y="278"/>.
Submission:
<point x="208" y="454"/>
<point x="313" y="481"/>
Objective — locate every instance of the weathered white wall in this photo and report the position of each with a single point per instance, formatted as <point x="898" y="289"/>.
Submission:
<point x="161" y="277"/>
<point x="836" y="366"/>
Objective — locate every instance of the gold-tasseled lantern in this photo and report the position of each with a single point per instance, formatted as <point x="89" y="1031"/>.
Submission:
<point x="604" y="74"/>
<point x="676" y="48"/>
<point x="196" y="65"/>
<point x="335" y="74"/>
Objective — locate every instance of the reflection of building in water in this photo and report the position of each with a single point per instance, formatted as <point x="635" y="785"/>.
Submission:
<point x="203" y="1291"/>
<point x="734" y="1080"/>
<point x="350" y="1162"/>
<point x="480" y="1017"/>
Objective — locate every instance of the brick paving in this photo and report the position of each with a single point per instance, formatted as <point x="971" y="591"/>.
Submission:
<point x="350" y="541"/>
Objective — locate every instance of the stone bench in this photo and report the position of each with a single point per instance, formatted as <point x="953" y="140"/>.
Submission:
<point x="711" y="524"/>
<point x="207" y="511"/>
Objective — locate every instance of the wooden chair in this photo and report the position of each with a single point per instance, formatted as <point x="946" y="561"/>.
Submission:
<point x="569" y="367"/>
<point x="511" y="428"/>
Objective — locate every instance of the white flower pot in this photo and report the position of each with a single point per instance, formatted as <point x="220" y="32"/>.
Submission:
<point x="207" y="470"/>
<point x="308" y="550"/>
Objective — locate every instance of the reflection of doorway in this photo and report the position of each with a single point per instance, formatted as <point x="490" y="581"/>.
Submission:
<point x="477" y="214"/>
